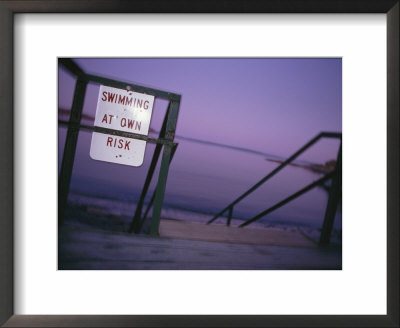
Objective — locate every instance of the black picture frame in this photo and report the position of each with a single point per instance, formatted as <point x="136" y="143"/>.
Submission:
<point x="10" y="7"/>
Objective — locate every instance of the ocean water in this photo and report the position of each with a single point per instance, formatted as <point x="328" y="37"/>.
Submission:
<point x="203" y="179"/>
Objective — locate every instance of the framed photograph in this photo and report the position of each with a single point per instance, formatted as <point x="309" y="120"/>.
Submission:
<point x="173" y="165"/>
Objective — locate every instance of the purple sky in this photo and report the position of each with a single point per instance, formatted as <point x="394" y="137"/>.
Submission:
<point x="271" y="105"/>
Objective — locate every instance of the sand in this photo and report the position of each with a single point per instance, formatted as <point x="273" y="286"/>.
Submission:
<point x="222" y="233"/>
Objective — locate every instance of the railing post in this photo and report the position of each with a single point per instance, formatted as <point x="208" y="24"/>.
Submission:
<point x="150" y="204"/>
<point x="136" y="221"/>
<point x="163" y="174"/>
<point x="70" y="148"/>
<point x="333" y="200"/>
<point x="228" y="222"/>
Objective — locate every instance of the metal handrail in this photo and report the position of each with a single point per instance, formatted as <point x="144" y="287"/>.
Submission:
<point x="165" y="141"/>
<point x="328" y="176"/>
<point x="119" y="133"/>
<point x="290" y="198"/>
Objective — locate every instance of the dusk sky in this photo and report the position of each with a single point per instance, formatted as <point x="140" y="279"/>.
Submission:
<point x="270" y="105"/>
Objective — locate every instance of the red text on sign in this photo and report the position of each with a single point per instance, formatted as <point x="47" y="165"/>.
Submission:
<point x="118" y="143"/>
<point x="104" y="120"/>
<point x="132" y="124"/>
<point x="124" y="100"/>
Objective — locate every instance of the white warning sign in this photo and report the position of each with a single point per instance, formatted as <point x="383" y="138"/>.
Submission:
<point x="122" y="110"/>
